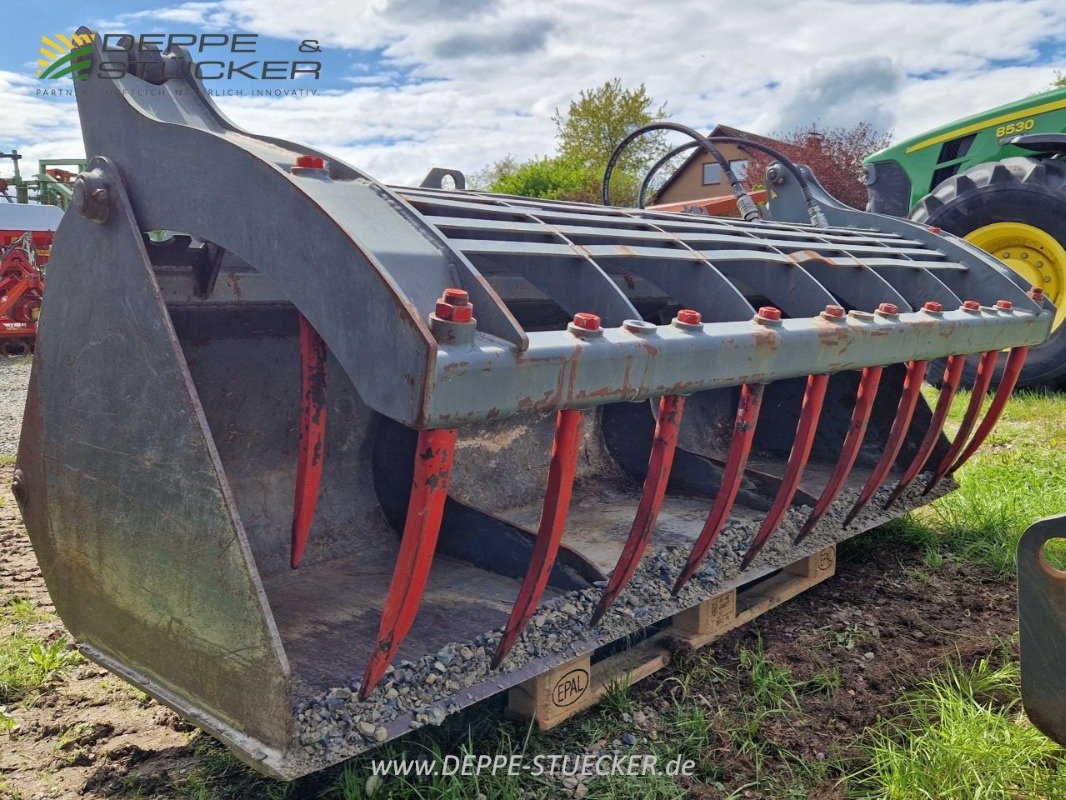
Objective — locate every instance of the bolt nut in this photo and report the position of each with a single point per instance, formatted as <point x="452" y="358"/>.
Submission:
<point x="770" y="313"/>
<point x="888" y="310"/>
<point x="586" y="321"/>
<point x="1004" y="305"/>
<point x="1036" y="294"/>
<point x="459" y="297"/>
<point x="932" y="307"/>
<point x="689" y="317"/>
<point x="310" y="162"/>
<point x="455" y="306"/>
<point x="934" y="229"/>
<point x="833" y="312"/>
<point x="91" y="196"/>
<point x="585" y="326"/>
<point x="970" y="305"/>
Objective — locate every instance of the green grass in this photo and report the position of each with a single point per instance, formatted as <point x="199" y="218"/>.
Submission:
<point x="1017" y="477"/>
<point x="772" y="687"/>
<point x="27" y="664"/>
<point x="962" y="735"/>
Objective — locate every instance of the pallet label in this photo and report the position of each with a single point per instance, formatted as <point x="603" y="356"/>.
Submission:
<point x="570" y="687"/>
<point x="723" y="607"/>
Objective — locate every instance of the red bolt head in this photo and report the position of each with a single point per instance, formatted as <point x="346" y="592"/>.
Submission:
<point x="834" y="311"/>
<point x="311" y="162"/>
<point x="888" y="308"/>
<point x="459" y="297"/>
<point x="971" y="305"/>
<point x="1005" y="305"/>
<point x="463" y="313"/>
<point x="689" y="317"/>
<point x="455" y="306"/>
<point x="1036" y="293"/>
<point x="933" y="306"/>
<point x="934" y="229"/>
<point x="586" y="321"/>
<point x="769" y="312"/>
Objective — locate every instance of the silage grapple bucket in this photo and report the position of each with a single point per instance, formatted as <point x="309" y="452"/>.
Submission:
<point x="305" y="455"/>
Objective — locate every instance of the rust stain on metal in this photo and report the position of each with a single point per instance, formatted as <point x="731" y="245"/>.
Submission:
<point x="765" y="340"/>
<point x="456" y="370"/>
<point x="801" y="256"/>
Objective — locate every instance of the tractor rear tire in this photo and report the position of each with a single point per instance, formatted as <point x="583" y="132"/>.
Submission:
<point x="1016" y="204"/>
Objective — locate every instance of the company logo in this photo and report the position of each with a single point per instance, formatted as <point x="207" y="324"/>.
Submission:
<point x="63" y="56"/>
<point x="569" y="688"/>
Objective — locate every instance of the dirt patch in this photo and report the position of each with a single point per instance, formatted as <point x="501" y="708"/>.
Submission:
<point x="852" y="646"/>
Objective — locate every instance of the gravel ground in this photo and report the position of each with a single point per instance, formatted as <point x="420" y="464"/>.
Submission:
<point x="14" y="377"/>
<point x="336" y="724"/>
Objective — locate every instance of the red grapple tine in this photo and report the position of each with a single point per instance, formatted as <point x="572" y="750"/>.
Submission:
<point x="806" y="428"/>
<point x="429" y="489"/>
<point x="952" y="378"/>
<point x="312" y="436"/>
<point x="860" y="418"/>
<point x="739" y="449"/>
<point x="565" y="450"/>
<point x="985" y="368"/>
<point x="1007" y="381"/>
<point x="908" y="400"/>
<point x="660" y="462"/>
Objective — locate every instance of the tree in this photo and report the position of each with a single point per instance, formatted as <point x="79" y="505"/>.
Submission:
<point x="1060" y="80"/>
<point x="835" y="155"/>
<point x="600" y="118"/>
<point x="485" y="178"/>
<point x="552" y="178"/>
<point x="585" y="136"/>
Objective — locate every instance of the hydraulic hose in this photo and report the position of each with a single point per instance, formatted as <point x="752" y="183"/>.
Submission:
<point x="747" y="207"/>
<point x="814" y="211"/>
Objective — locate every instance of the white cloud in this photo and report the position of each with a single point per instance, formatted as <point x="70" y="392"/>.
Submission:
<point x="488" y="74"/>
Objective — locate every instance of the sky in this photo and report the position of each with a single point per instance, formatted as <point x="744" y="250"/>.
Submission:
<point x="406" y="85"/>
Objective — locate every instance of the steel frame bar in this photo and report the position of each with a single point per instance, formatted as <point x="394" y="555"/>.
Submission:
<point x="565" y="449"/>
<point x="908" y="401"/>
<point x="660" y="462"/>
<point x="429" y="489"/>
<point x="950" y="385"/>
<point x="806" y="428"/>
<point x="751" y="395"/>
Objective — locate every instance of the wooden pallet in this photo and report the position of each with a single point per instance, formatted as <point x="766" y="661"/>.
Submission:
<point x="559" y="693"/>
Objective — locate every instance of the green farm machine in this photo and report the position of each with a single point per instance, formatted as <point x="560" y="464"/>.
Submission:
<point x="997" y="179"/>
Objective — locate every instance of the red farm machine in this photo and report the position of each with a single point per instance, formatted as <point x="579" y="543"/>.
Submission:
<point x="25" y="245"/>
<point x="28" y="220"/>
<point x="342" y="458"/>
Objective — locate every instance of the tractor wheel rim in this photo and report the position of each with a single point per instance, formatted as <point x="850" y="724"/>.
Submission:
<point x="1031" y="252"/>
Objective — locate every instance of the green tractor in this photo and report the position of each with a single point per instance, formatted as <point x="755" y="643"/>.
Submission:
<point x="997" y="179"/>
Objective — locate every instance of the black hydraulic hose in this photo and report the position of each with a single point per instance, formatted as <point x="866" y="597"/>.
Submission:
<point x="814" y="211"/>
<point x="747" y="207"/>
<point x="743" y="144"/>
<point x="657" y="166"/>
